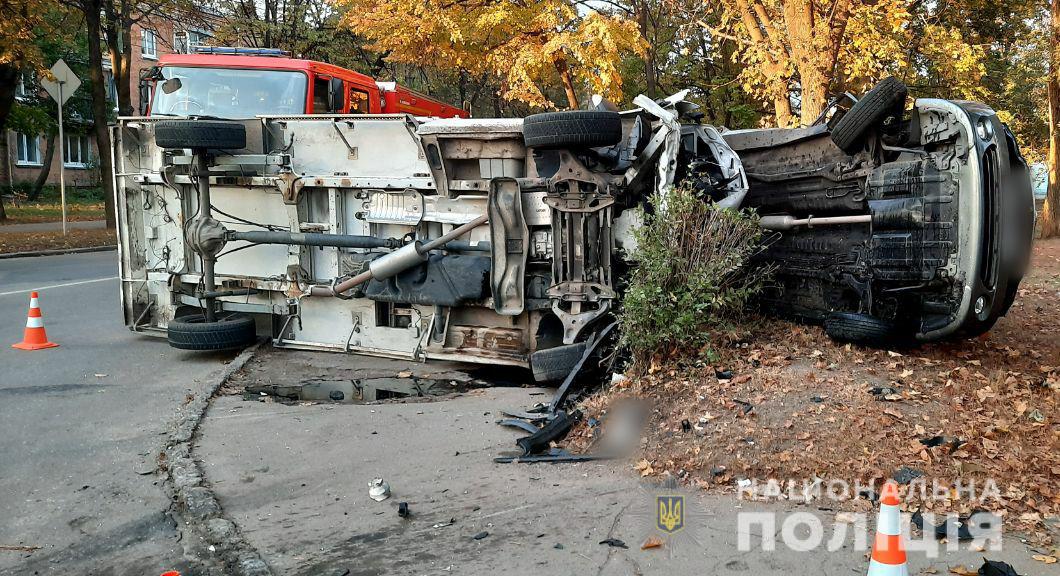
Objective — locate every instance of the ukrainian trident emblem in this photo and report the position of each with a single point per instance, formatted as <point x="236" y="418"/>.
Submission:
<point x="671" y="516"/>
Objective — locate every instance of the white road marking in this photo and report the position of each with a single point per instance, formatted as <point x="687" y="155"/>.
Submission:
<point x="28" y="290"/>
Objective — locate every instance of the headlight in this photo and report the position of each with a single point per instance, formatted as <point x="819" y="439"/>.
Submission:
<point x="985" y="129"/>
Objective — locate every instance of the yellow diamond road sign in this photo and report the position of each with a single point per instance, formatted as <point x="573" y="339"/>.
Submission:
<point x="64" y="85"/>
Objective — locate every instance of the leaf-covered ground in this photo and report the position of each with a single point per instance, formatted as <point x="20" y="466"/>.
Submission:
<point x="54" y="240"/>
<point x="799" y="406"/>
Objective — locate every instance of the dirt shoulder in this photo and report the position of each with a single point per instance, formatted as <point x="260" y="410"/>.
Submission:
<point x="799" y="406"/>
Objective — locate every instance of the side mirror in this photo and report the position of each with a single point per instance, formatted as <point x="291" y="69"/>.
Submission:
<point x="146" y="85"/>
<point x="336" y="94"/>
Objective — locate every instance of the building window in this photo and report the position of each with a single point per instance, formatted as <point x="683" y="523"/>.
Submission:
<point x="76" y="153"/>
<point x="148" y="44"/>
<point x="28" y="149"/>
<point x="195" y="39"/>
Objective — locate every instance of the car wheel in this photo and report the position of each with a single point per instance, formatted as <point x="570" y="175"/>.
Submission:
<point x="866" y="114"/>
<point x="201" y="134"/>
<point x="554" y="364"/>
<point x="228" y="332"/>
<point x="864" y="329"/>
<point x="572" y="129"/>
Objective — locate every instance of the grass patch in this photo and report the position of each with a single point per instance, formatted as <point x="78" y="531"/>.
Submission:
<point x="81" y="204"/>
<point x="11" y="242"/>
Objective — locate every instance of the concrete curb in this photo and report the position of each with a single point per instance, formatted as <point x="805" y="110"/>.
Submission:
<point x="209" y="538"/>
<point x="58" y="252"/>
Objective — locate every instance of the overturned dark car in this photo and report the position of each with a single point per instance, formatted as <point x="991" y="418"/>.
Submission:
<point x="893" y="224"/>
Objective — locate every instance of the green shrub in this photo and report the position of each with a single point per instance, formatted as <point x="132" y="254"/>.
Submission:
<point x="690" y="275"/>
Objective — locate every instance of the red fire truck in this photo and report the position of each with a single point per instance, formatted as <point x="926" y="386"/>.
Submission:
<point x="248" y="82"/>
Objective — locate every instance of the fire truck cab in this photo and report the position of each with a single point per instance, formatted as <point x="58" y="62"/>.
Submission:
<point x="235" y="83"/>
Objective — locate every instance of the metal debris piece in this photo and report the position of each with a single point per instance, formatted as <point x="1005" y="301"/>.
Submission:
<point x="905" y="475"/>
<point x="378" y="490"/>
<point x="444" y="524"/>
<point x="403" y="509"/>
<point x="555" y="456"/>
<point x="520" y="424"/>
<point x="554" y="430"/>
<point x="480" y="535"/>
<point x="615" y="543"/>
<point x="995" y="568"/>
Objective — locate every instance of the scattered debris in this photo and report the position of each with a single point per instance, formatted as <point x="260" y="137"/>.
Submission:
<point x="558" y="546"/>
<point x="403" y="509"/>
<point x="378" y="490"/>
<point x="686" y="426"/>
<point x="1044" y="558"/>
<point x="995" y="568"/>
<point x="905" y="475"/>
<point x="652" y="542"/>
<point x="520" y="424"/>
<point x="723" y="374"/>
<point x="615" y="543"/>
<point x="480" y="535"/>
<point x="956" y="525"/>
<point x="444" y="524"/>
<point x="747" y="406"/>
<point x="555" y="429"/>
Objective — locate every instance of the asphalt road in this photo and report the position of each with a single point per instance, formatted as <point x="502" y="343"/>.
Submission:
<point x="80" y="425"/>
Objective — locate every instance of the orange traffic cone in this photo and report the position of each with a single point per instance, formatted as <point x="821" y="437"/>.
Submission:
<point x="888" y="551"/>
<point x="34" y="338"/>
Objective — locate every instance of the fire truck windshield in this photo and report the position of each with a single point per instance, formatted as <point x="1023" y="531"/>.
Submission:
<point x="228" y="93"/>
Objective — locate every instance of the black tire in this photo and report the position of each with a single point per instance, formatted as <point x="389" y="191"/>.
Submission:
<point x="573" y="129"/>
<point x="884" y="99"/>
<point x="863" y="329"/>
<point x="229" y="332"/>
<point x="554" y="364"/>
<point x="201" y="134"/>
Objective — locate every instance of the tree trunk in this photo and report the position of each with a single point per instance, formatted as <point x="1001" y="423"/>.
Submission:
<point x="45" y="169"/>
<point x="649" y="55"/>
<point x="782" y="111"/>
<point x="568" y="82"/>
<point x="814" y="96"/>
<point x="100" y="109"/>
<point x="1050" y="216"/>
<point x="8" y="80"/>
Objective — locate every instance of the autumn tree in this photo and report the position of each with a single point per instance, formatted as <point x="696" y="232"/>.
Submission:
<point x="24" y="25"/>
<point x="527" y="45"/>
<point x="797" y="52"/>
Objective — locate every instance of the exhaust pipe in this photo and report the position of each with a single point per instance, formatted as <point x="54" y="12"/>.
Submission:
<point x="397" y="261"/>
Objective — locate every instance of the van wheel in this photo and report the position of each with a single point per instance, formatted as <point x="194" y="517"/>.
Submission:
<point x="200" y="134"/>
<point x="229" y="332"/>
<point x="884" y="99"/>
<point x="864" y="329"/>
<point x="554" y="364"/>
<point x="572" y="129"/>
